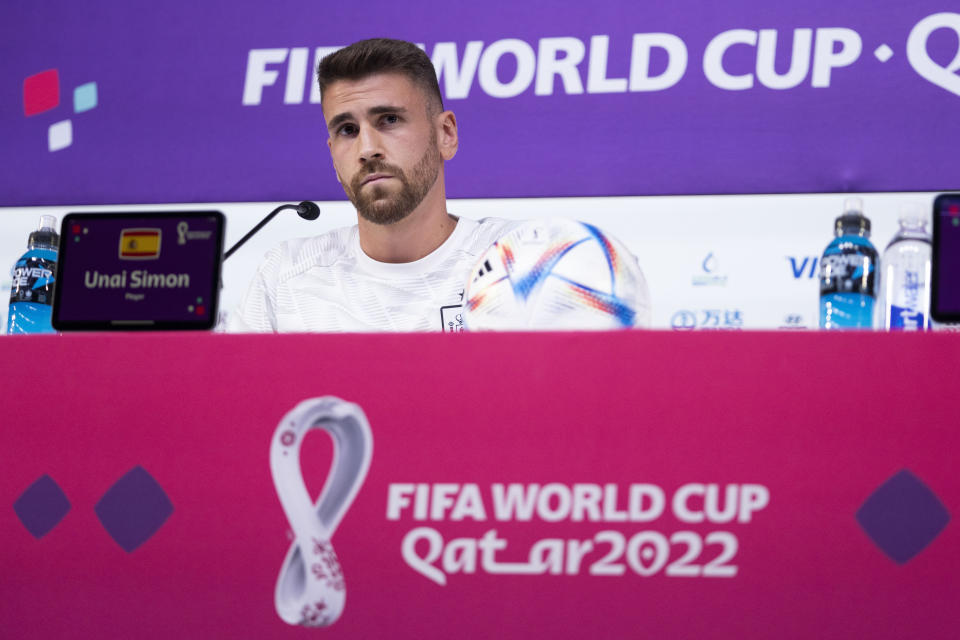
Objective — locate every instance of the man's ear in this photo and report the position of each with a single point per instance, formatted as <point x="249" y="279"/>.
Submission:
<point x="447" y="138"/>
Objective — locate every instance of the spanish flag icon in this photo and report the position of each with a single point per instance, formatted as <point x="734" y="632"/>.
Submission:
<point x="139" y="244"/>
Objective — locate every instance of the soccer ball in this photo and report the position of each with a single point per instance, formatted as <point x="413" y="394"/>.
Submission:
<point x="556" y="274"/>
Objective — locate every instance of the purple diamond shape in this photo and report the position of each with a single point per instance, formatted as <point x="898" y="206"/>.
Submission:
<point x="42" y="506"/>
<point x="903" y="516"/>
<point x="133" y="509"/>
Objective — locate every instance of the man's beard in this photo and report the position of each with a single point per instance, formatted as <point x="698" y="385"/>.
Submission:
<point x="373" y="202"/>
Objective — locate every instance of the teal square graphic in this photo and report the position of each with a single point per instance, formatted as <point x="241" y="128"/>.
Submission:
<point x="85" y="97"/>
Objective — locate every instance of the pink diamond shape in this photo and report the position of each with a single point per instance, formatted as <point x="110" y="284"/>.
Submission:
<point x="41" y="92"/>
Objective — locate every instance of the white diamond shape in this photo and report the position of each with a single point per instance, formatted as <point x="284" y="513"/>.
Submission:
<point x="60" y="135"/>
<point x="883" y="53"/>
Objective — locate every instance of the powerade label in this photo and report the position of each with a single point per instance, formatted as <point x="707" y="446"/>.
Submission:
<point x="846" y="311"/>
<point x="848" y="266"/>
<point x="33" y="279"/>
<point x="906" y="319"/>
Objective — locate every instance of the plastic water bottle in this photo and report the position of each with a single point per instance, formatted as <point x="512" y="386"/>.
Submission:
<point x="31" y="296"/>
<point x="905" y="281"/>
<point x="848" y="271"/>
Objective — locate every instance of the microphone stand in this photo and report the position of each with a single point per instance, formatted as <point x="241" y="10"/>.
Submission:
<point x="306" y="210"/>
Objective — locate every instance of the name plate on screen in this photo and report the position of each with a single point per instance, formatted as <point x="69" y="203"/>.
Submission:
<point x="145" y="270"/>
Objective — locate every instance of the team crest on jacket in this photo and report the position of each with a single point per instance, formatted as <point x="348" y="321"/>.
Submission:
<point x="451" y="315"/>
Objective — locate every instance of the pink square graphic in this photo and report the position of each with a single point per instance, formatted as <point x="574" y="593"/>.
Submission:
<point x="41" y="92"/>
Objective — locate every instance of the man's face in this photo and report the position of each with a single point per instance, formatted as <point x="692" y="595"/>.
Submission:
<point x="383" y="142"/>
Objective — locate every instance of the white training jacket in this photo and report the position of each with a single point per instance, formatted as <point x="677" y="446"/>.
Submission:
<point x="328" y="284"/>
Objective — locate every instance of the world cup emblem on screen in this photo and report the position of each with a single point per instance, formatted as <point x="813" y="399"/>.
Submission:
<point x="311" y="590"/>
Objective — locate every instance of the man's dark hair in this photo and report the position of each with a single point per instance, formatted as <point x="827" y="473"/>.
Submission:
<point x="380" y="55"/>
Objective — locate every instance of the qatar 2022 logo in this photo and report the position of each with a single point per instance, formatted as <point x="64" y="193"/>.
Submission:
<point x="310" y="589"/>
<point x="41" y="94"/>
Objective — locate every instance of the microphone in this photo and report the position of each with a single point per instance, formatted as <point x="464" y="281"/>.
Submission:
<point x="307" y="210"/>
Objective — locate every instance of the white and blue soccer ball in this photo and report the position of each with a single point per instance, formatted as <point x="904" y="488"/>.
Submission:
<point x="556" y="274"/>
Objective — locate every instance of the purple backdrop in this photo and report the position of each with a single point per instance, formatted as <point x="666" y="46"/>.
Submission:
<point x="166" y="119"/>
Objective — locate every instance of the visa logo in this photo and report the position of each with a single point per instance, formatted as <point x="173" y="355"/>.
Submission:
<point x="805" y="268"/>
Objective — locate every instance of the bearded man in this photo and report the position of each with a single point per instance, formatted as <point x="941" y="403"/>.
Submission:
<point x="404" y="265"/>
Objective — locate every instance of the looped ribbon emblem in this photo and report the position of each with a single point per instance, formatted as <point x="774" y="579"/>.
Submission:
<point x="310" y="588"/>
